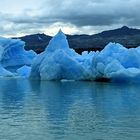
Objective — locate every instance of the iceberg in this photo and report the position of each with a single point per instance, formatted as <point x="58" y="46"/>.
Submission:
<point x="13" y="54"/>
<point x="118" y="63"/>
<point x="59" y="62"/>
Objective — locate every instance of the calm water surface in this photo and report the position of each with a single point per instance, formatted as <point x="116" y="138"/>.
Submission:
<point x="33" y="110"/>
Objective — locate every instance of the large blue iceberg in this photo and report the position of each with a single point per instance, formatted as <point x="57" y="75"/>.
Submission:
<point x="59" y="62"/>
<point x="12" y="54"/>
<point x="118" y="63"/>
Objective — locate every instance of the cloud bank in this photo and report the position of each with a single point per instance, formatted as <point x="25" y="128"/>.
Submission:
<point x="75" y="16"/>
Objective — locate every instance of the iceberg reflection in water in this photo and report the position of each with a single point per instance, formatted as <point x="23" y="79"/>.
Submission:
<point x="68" y="110"/>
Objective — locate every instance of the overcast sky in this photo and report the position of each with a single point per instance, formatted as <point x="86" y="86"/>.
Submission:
<point x="21" y="17"/>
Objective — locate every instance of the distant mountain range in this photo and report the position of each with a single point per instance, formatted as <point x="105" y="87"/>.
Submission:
<point x="128" y="37"/>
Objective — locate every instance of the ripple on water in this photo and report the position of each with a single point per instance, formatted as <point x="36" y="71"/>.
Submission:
<point x="68" y="110"/>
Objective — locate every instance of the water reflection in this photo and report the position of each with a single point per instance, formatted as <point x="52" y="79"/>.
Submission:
<point x="10" y="89"/>
<point x="68" y="110"/>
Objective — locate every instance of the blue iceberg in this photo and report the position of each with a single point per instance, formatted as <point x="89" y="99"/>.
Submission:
<point x="118" y="63"/>
<point x="58" y="62"/>
<point x="13" y="53"/>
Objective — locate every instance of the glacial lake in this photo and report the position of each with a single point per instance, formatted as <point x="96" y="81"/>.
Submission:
<point x="34" y="110"/>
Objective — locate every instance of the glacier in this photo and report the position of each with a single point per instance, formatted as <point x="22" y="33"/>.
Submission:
<point x="59" y="62"/>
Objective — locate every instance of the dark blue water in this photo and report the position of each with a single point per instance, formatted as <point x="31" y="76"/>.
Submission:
<point x="33" y="110"/>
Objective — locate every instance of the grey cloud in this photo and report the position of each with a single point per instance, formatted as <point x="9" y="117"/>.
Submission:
<point x="82" y="13"/>
<point x="92" y="12"/>
<point x="76" y="12"/>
